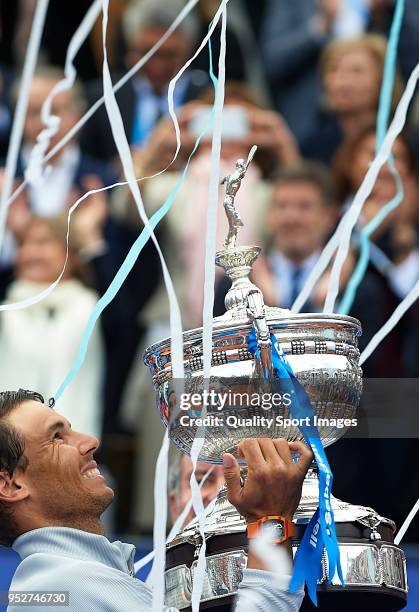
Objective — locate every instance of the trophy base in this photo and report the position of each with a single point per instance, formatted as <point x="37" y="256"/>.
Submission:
<point x="374" y="569"/>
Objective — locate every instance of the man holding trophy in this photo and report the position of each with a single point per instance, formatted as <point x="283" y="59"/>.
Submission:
<point x="52" y="496"/>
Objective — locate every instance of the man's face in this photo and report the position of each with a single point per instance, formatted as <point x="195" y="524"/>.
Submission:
<point x="166" y="62"/>
<point x="63" y="107"/>
<point x="298" y="218"/>
<point x="41" y="255"/>
<point x="209" y="489"/>
<point x="62" y="483"/>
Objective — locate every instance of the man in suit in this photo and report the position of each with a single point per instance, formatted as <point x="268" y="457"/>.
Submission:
<point x="143" y="99"/>
<point x="70" y="167"/>
<point x="300" y="216"/>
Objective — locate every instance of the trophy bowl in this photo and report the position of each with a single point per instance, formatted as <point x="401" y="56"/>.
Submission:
<point x="321" y="349"/>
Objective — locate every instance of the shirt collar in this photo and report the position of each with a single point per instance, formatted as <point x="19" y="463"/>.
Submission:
<point x="143" y="87"/>
<point x="68" y="159"/>
<point x="278" y="259"/>
<point x="67" y="542"/>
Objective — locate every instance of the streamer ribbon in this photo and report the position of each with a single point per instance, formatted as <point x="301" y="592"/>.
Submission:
<point x="20" y="112"/>
<point x="382" y="122"/>
<point x="124" y="79"/>
<point x="341" y="237"/>
<point x="320" y="533"/>
<point x="365" y="246"/>
<point x="35" y="172"/>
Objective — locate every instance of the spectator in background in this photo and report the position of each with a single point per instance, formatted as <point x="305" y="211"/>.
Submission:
<point x="351" y="72"/>
<point x="103" y="243"/>
<point x="69" y="172"/>
<point x="69" y="168"/>
<point x="395" y="250"/>
<point x="393" y="265"/>
<point x="180" y="493"/>
<point x="143" y="100"/>
<point x="244" y="60"/>
<point x="293" y="36"/>
<point x="300" y="216"/>
<point x="38" y="345"/>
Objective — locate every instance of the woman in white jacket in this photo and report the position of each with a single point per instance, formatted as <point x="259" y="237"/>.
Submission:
<point x="38" y="344"/>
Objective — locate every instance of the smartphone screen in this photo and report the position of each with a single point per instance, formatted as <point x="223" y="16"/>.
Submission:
<point x="235" y="124"/>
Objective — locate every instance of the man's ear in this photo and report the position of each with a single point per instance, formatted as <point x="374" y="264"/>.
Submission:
<point x="12" y="490"/>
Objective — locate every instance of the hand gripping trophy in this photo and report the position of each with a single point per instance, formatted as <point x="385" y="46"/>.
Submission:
<point x="321" y="351"/>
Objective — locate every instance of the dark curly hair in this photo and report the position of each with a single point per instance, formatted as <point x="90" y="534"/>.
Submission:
<point x="12" y="449"/>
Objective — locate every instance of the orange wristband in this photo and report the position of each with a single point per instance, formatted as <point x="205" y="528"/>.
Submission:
<point x="281" y="528"/>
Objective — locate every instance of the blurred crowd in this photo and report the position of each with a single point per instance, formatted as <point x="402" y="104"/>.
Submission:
<point x="303" y="82"/>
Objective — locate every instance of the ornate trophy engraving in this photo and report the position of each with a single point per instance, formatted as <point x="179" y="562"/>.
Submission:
<point x="322" y="351"/>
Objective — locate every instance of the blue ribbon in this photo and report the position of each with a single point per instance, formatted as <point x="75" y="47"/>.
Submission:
<point x="320" y="533"/>
<point x="389" y="72"/>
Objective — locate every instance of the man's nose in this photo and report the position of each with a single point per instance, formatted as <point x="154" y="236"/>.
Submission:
<point x="88" y="444"/>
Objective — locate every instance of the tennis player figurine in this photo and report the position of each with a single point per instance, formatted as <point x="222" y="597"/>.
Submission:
<point x="233" y="182"/>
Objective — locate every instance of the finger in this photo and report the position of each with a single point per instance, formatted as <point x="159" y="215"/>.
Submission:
<point x="283" y="450"/>
<point x="250" y="450"/>
<point x="305" y="455"/>
<point x="270" y="451"/>
<point x="232" y="478"/>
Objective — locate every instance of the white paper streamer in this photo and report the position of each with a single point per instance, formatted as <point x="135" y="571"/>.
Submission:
<point x="160" y="495"/>
<point x="159" y="529"/>
<point x="321" y="265"/>
<point x="34" y="172"/>
<point x="403" y="307"/>
<point x="178" y="524"/>
<point x="406" y="524"/>
<point x="38" y="297"/>
<point x="77" y="127"/>
<point x="207" y="315"/>
<point x="276" y="560"/>
<point x="21" y="107"/>
<point x="365" y="189"/>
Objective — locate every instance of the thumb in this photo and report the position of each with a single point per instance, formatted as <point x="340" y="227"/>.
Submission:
<point x="232" y="478"/>
<point x="305" y="458"/>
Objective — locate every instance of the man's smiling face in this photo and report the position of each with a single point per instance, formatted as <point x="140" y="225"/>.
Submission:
<point x="61" y="484"/>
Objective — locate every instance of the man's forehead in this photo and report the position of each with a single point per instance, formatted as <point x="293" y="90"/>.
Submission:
<point x="201" y="466"/>
<point x="32" y="417"/>
<point x="302" y="184"/>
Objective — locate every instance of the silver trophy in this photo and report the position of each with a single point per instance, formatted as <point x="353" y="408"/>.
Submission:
<point x="322" y="351"/>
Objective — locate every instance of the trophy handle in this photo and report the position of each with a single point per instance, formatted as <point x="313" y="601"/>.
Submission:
<point x="256" y="310"/>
